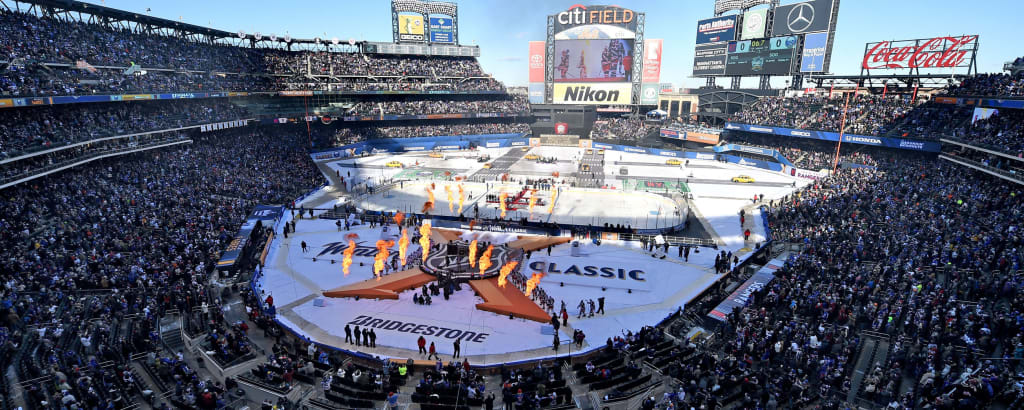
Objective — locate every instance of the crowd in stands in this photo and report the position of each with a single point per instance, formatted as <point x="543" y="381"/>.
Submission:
<point x="994" y="84"/>
<point x="867" y="114"/>
<point x="1002" y="132"/>
<point x="345" y="136"/>
<point x="945" y="298"/>
<point x="131" y="238"/>
<point x="512" y="104"/>
<point x="30" y="129"/>
<point x="626" y="129"/>
<point x="805" y="153"/>
<point x="43" y="56"/>
<point x="387" y="84"/>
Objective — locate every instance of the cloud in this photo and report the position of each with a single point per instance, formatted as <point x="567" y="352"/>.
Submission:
<point x="520" y="35"/>
<point x="510" y="59"/>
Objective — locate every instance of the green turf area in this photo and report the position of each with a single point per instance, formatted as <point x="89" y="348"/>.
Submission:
<point x="415" y="174"/>
<point x="656" y="185"/>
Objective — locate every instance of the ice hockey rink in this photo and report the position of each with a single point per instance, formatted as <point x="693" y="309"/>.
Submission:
<point x="648" y="290"/>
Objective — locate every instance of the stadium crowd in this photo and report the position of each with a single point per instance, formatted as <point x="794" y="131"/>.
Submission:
<point x="509" y="104"/>
<point x="866" y="115"/>
<point x="994" y="84"/>
<point x="30" y="129"/>
<point x="806" y="153"/>
<point x="345" y="136"/>
<point x="625" y="129"/>
<point x="45" y="56"/>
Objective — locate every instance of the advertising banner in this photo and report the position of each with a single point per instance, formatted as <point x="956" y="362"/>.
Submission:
<point x="709" y="60"/>
<point x="671" y="133"/>
<point x="649" y="94"/>
<point x="599" y="60"/>
<point x="754" y="23"/>
<point x="813" y="59"/>
<point x="652" y="61"/>
<point x="410" y="27"/>
<point x="936" y="52"/>
<point x="716" y="30"/>
<point x="441" y="30"/>
<point x="798" y="18"/>
<point x="702" y="137"/>
<point x="536" y="61"/>
<point x="908" y="144"/>
<point x="665" y="87"/>
<point x="594" y="18"/>
<point x="593" y="93"/>
<point x="536" y="93"/>
<point x="742" y="295"/>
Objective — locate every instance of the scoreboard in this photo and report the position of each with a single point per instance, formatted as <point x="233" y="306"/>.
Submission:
<point x="789" y="39"/>
<point x="773" y="56"/>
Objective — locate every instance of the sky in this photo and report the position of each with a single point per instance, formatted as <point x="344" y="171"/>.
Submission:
<point x="503" y="29"/>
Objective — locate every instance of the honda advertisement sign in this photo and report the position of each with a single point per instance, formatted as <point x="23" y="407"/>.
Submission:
<point x="800" y="18"/>
<point x="813" y="59"/>
<point x="716" y="30"/>
<point x="935" y="52"/>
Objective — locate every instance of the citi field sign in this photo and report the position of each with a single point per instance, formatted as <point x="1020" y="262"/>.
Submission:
<point x="580" y="15"/>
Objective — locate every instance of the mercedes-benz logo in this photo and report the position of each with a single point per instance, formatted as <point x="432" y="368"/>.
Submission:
<point x="800" y="17"/>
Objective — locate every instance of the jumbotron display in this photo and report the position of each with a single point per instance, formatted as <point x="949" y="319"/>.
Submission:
<point x="591" y="56"/>
<point x="594" y="60"/>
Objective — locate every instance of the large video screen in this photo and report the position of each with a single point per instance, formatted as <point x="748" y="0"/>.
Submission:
<point x="597" y="60"/>
<point x="772" y="56"/>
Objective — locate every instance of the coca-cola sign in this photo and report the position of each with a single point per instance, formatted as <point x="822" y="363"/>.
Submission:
<point x="937" y="52"/>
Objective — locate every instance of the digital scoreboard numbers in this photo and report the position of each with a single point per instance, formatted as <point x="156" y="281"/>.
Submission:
<point x="769" y="56"/>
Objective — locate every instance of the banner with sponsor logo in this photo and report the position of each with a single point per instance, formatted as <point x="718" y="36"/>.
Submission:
<point x="410" y="27"/>
<point x="798" y="18"/>
<point x="592" y="93"/>
<point x="813" y="59"/>
<point x="610" y="21"/>
<point x="652" y="60"/>
<point x="908" y="144"/>
<point x="716" y="30"/>
<point x="743" y="294"/>
<point x="936" y="52"/>
<point x="754" y="24"/>
<point x="702" y="137"/>
<point x="536" y="61"/>
<point x="441" y="30"/>
<point x="649" y="93"/>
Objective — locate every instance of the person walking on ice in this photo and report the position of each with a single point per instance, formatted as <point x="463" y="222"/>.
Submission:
<point x="582" y="308"/>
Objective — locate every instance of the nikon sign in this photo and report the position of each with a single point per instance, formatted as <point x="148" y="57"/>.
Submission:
<point x="592" y="93"/>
